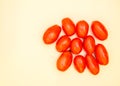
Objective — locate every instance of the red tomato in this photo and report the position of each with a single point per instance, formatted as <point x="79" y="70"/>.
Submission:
<point x="82" y="29"/>
<point x="68" y="26"/>
<point x="79" y="63"/>
<point x="92" y="64"/>
<point x="89" y="44"/>
<point x="99" y="30"/>
<point x="76" y="46"/>
<point x="101" y="54"/>
<point x="64" y="61"/>
<point x="63" y="43"/>
<point x="51" y="34"/>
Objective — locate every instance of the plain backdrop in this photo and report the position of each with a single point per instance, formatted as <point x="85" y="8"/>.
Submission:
<point x="26" y="61"/>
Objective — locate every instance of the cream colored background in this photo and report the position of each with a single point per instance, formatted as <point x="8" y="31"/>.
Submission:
<point x="26" y="61"/>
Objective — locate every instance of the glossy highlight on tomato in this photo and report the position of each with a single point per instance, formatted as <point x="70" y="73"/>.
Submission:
<point x="82" y="29"/>
<point x="99" y="30"/>
<point x="79" y="63"/>
<point x="63" y="43"/>
<point x="64" y="61"/>
<point x="76" y="46"/>
<point x="92" y="64"/>
<point x="51" y="34"/>
<point x="101" y="54"/>
<point x="89" y="44"/>
<point x="68" y="26"/>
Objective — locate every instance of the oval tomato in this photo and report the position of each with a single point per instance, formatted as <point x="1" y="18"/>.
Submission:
<point x="64" y="61"/>
<point x="68" y="26"/>
<point x="82" y="29"/>
<point x="101" y="54"/>
<point x="63" y="43"/>
<point x="89" y="44"/>
<point x="79" y="63"/>
<point x="99" y="30"/>
<point x="92" y="64"/>
<point x="76" y="46"/>
<point x="51" y="34"/>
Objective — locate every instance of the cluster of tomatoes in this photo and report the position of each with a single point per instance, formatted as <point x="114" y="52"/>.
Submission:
<point x="96" y="54"/>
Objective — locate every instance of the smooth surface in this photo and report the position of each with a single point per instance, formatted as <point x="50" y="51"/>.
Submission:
<point x="26" y="61"/>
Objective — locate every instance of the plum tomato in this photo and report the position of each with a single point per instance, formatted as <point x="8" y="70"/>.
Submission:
<point x="76" y="46"/>
<point x="92" y="64"/>
<point x="89" y="44"/>
<point x="101" y="54"/>
<point x="79" y="63"/>
<point x="51" y="34"/>
<point x="82" y="28"/>
<point x="99" y="30"/>
<point x="64" y="61"/>
<point x="68" y="26"/>
<point x="63" y="43"/>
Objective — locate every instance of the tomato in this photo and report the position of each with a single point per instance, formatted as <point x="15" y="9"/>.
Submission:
<point x="63" y="43"/>
<point x="64" y="61"/>
<point x="89" y="44"/>
<point x="101" y="54"/>
<point x="99" y="30"/>
<point x="79" y="63"/>
<point x="92" y="64"/>
<point x="51" y="34"/>
<point x="82" y="29"/>
<point x="68" y="26"/>
<point x="76" y="46"/>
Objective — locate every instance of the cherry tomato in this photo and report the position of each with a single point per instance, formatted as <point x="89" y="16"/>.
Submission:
<point x="63" y="43"/>
<point x="101" y="54"/>
<point x="99" y="30"/>
<point x="68" y="26"/>
<point x="51" y="34"/>
<point x="79" y="63"/>
<point x="76" y="46"/>
<point x="89" y="44"/>
<point x="92" y="64"/>
<point x="82" y="29"/>
<point x="64" y="61"/>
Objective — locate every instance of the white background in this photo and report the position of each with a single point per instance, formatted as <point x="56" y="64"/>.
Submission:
<point x="26" y="61"/>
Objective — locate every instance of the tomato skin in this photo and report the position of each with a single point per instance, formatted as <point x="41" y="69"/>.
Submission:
<point x="101" y="54"/>
<point x="92" y="64"/>
<point x="79" y="63"/>
<point x="64" y="61"/>
<point x="51" y="34"/>
<point x="89" y="44"/>
<point x="76" y="46"/>
<point x="63" y="43"/>
<point x="68" y="26"/>
<point x="99" y="30"/>
<point x="82" y="28"/>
